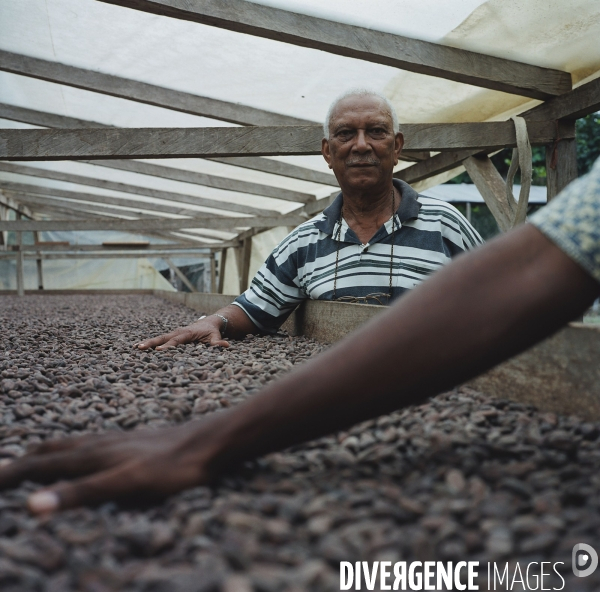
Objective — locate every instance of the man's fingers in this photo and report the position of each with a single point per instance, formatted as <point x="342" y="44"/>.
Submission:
<point x="147" y="344"/>
<point x="107" y="485"/>
<point x="215" y="340"/>
<point x="51" y="466"/>
<point x="175" y="341"/>
<point x="137" y="480"/>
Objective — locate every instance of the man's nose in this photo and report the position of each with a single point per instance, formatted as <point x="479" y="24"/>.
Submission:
<point x="361" y="144"/>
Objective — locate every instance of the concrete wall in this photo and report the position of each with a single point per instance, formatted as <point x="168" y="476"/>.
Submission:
<point x="561" y="374"/>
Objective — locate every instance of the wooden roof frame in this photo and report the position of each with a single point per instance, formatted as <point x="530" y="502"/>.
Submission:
<point x="240" y="146"/>
<point x="398" y="51"/>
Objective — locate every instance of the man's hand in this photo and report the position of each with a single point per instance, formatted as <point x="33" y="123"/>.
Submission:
<point x="206" y="330"/>
<point x="138" y="466"/>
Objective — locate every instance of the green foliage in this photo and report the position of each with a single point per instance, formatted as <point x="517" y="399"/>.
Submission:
<point x="588" y="142"/>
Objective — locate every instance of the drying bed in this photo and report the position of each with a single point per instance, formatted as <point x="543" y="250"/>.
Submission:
<point x="463" y="477"/>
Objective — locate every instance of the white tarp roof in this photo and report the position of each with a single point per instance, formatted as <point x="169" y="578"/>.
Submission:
<point x="275" y="76"/>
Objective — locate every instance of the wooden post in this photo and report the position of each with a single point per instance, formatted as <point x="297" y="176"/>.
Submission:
<point x="180" y="274"/>
<point x="213" y="274"/>
<point x="468" y="211"/>
<point x="242" y="254"/>
<point x="40" y="274"/>
<point x="490" y="184"/>
<point x="222" y="261"/>
<point x="19" y="261"/>
<point x="561" y="159"/>
<point x="3" y="233"/>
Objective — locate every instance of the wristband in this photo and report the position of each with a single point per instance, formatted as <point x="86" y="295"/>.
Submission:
<point x="224" y="319"/>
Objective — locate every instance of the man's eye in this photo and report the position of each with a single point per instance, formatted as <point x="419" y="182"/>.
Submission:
<point x="377" y="132"/>
<point x="345" y="134"/>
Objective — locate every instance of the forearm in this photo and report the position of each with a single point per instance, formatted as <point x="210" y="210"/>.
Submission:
<point x="478" y="311"/>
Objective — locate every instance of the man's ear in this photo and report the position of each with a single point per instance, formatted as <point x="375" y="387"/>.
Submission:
<point x="398" y="145"/>
<point x="326" y="152"/>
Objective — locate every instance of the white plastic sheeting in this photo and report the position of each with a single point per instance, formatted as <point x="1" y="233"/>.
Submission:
<point x="275" y="76"/>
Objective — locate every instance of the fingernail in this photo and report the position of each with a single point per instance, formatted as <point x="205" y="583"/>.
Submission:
<point x="43" y="501"/>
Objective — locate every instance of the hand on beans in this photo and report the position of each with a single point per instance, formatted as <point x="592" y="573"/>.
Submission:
<point x="137" y="466"/>
<point x="206" y="330"/>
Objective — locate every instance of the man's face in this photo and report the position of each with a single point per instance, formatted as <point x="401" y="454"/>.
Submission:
<point x="362" y="148"/>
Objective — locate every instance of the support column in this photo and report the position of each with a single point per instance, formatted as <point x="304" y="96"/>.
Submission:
<point x="222" y="261"/>
<point x="213" y="273"/>
<point x="561" y="160"/>
<point x="40" y="273"/>
<point x="20" y="275"/>
<point x="180" y="274"/>
<point x="491" y="185"/>
<point x="243" y="260"/>
<point x="3" y="233"/>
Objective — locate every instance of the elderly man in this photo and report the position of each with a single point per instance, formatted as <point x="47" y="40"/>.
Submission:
<point x="376" y="241"/>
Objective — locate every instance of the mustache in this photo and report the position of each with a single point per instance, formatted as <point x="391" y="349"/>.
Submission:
<point x="361" y="161"/>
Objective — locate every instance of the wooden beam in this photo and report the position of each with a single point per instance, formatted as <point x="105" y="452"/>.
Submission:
<point x="561" y="161"/>
<point x="169" y="196"/>
<point x="222" y="263"/>
<point x="3" y="235"/>
<point x="20" y="261"/>
<point x="14" y="201"/>
<point x="158" y="254"/>
<point x="357" y="42"/>
<point x="180" y="274"/>
<point x="440" y="163"/>
<point x="205" y="180"/>
<point x="583" y="100"/>
<point x="213" y="273"/>
<point x="77" y="208"/>
<point x="51" y="207"/>
<point x="173" y="248"/>
<point x="266" y="165"/>
<point x="108" y="143"/>
<point x="243" y="254"/>
<point x="142" y="92"/>
<point x="77" y="201"/>
<point x="150" y="224"/>
<point x="13" y="204"/>
<point x="16" y="144"/>
<point x="492" y="188"/>
<point x="278" y="167"/>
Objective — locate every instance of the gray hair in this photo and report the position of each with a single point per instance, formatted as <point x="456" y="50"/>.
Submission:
<point x="359" y="92"/>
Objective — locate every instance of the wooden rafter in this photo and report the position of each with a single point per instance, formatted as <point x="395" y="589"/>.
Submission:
<point x="265" y="165"/>
<point x="357" y="42"/>
<point x="141" y="92"/>
<point x="170" y="196"/>
<point x="51" y="120"/>
<point x="85" y="144"/>
<point x="150" y="224"/>
<point x="76" y="199"/>
<point x="582" y="101"/>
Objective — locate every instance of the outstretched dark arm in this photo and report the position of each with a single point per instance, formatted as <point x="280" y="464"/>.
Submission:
<point x="481" y="309"/>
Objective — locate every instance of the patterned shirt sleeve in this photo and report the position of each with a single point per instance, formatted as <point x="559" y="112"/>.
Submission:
<point x="572" y="221"/>
<point x="275" y="291"/>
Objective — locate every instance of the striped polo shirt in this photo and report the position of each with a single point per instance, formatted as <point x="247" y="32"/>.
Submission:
<point x="428" y="233"/>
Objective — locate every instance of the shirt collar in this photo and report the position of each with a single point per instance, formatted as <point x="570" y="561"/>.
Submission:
<point x="407" y="210"/>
